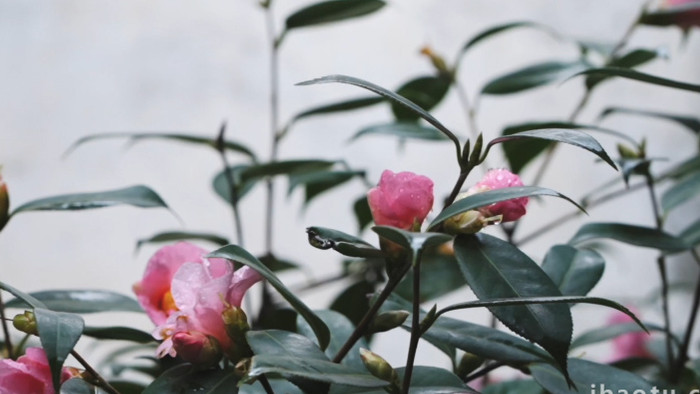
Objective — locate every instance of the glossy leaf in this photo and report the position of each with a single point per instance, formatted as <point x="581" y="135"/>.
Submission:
<point x="642" y="77"/>
<point x="119" y="333"/>
<point x="492" y="31"/>
<point x="585" y="374"/>
<point x="410" y="240"/>
<point x="316" y="183"/>
<point x="646" y="237"/>
<point x="353" y="302"/>
<point x="189" y="138"/>
<point x="77" y="386"/>
<point x="186" y="379"/>
<point x="138" y="196"/>
<point x="439" y="274"/>
<point x="533" y="76"/>
<point x="424" y="376"/>
<point x="574" y="271"/>
<point x="280" y="386"/>
<point x="82" y="301"/>
<point x="170" y="236"/>
<point x="684" y="16"/>
<point x="493" y="196"/>
<point x="691" y="234"/>
<point x="611" y="331"/>
<point x="237" y="254"/>
<point x="341" y="328"/>
<point x="683" y="191"/>
<point x="294" y="355"/>
<point x="242" y="183"/>
<point x="408" y="130"/>
<point x="514" y="387"/>
<point x="631" y="59"/>
<point x="497" y="269"/>
<point x="342" y="106"/>
<point x="58" y="332"/>
<point x="426" y="92"/>
<point x="685" y="168"/>
<point x="277" y="264"/>
<point x="569" y="136"/>
<point x="31" y="301"/>
<point x="363" y="214"/>
<point x="331" y="11"/>
<point x="429" y="390"/>
<point x="689" y="122"/>
<point x="395" y="98"/>
<point x="346" y="244"/>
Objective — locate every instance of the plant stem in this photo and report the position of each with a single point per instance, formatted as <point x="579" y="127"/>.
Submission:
<point x="470" y="113"/>
<point x="483" y="371"/>
<point x="5" y="329"/>
<point x="100" y="380"/>
<point x="415" y="326"/>
<point x="233" y="192"/>
<point x="683" y="352"/>
<point x="274" y="120"/>
<point x="266" y="384"/>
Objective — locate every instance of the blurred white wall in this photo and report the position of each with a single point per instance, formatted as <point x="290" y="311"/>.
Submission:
<point x="73" y="68"/>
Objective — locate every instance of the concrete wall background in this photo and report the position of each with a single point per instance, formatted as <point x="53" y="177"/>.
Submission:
<point x="74" y="68"/>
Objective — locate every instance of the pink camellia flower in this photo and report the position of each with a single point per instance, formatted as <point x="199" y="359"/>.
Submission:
<point x="689" y="17"/>
<point x="632" y="344"/>
<point x="30" y="374"/>
<point x="401" y="200"/>
<point x="188" y="301"/>
<point x="498" y="179"/>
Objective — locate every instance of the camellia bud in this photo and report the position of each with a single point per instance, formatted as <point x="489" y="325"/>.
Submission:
<point x="388" y="320"/>
<point x="26" y="323"/>
<point x="509" y="210"/>
<point x="378" y="367"/>
<point x="236" y="325"/>
<point x="470" y="222"/>
<point x="437" y="60"/>
<point x="197" y="348"/>
<point x="468" y="364"/>
<point x="401" y="200"/>
<point x="4" y="204"/>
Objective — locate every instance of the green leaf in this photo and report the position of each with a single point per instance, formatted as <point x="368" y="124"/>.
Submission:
<point x="683" y="191"/>
<point x="363" y="213"/>
<point x="430" y="390"/>
<point x="170" y="236"/>
<point x="353" y="302"/>
<point x="319" y="182"/>
<point x="534" y="76"/>
<point x="237" y="254"/>
<point x="395" y="98"/>
<point x="137" y="137"/>
<point x="280" y="386"/>
<point x="574" y="271"/>
<point x="342" y="106"/>
<point x="276" y="264"/>
<point x="138" y="196"/>
<point x="59" y="332"/>
<point x="346" y="244"/>
<point x="497" y="269"/>
<point x="426" y="92"/>
<point x="684" y="16"/>
<point x="630" y="234"/>
<point x="631" y="59"/>
<point x="410" y="240"/>
<point x="586" y="374"/>
<point x="331" y="11"/>
<point x="492" y="31"/>
<point x="608" y="332"/>
<point x="514" y="387"/>
<point x="638" y="76"/>
<point x="424" y="376"/>
<point x="294" y="355"/>
<point x="81" y="301"/>
<point x="573" y="137"/>
<point x="119" y="333"/>
<point x="410" y="130"/>
<point x="689" y="122"/>
<point x="439" y="274"/>
<point x="33" y="302"/>
<point x="493" y="196"/>
<point x="691" y="234"/>
<point x="186" y="379"/>
<point x="341" y="328"/>
<point x="77" y="386"/>
<point x="685" y="168"/>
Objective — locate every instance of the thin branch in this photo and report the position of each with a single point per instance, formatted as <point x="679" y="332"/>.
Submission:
<point x="683" y="353"/>
<point x="233" y="191"/>
<point x="415" y="326"/>
<point x="100" y="380"/>
<point x="483" y="371"/>
<point x="5" y="329"/>
<point x="266" y="384"/>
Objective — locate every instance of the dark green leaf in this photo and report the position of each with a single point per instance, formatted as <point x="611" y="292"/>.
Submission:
<point x="119" y="333"/>
<point x="569" y="136"/>
<point x="493" y="196"/>
<point x="683" y="191"/>
<point x="318" y="182"/>
<point x="186" y="379"/>
<point x="410" y="240"/>
<point x="280" y="386"/>
<point x="423" y="376"/>
<point x="276" y="264"/>
<point x="689" y="122"/>
<point x="611" y="331"/>
<point x="691" y="235"/>
<point x="497" y="269"/>
<point x="242" y="184"/>
<point x="295" y="355"/>
<point x="395" y="98"/>
<point x="77" y="386"/>
<point x="346" y="244"/>
<point x="353" y="302"/>
<point x="426" y="92"/>
<point x="500" y="29"/>
<point x="638" y="76"/>
<point x="331" y="11"/>
<point x="429" y="390"/>
<point x="82" y="301"/>
<point x="127" y="387"/>
<point x="138" y="196"/>
<point x="514" y="387"/>
<point x="630" y="167"/>
<point x="574" y="271"/>
<point x="342" y="106"/>
<point x="404" y="129"/>
<point x="685" y="168"/>
<point x="59" y="332"/>
<point x="586" y="374"/>
<point x="363" y="213"/>
<point x="634" y="235"/>
<point x="137" y="137"/>
<point x="684" y="16"/>
<point x="237" y="254"/>
<point x="341" y="329"/>
<point x="170" y="236"/>
<point x="33" y="302"/>
<point x="631" y="59"/>
<point x="533" y="76"/>
<point x="439" y="274"/>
